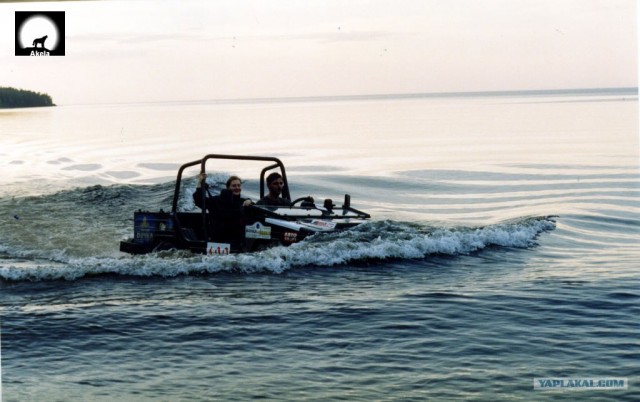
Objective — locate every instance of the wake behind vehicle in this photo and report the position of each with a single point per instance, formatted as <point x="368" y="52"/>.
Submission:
<point x="262" y="226"/>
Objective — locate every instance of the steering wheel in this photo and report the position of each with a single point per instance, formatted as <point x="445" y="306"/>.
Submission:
<point x="306" y="202"/>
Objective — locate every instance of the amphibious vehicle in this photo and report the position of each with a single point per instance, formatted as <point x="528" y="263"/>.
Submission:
<point x="208" y="230"/>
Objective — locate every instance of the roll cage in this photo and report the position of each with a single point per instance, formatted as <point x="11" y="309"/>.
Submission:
<point x="275" y="164"/>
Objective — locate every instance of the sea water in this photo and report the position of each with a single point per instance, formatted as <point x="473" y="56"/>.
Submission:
<point x="503" y="247"/>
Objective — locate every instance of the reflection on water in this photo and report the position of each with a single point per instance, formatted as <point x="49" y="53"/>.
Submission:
<point x="503" y="245"/>
<point x="143" y="143"/>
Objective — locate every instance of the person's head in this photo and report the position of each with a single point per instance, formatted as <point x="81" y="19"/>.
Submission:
<point x="235" y="185"/>
<point x="275" y="184"/>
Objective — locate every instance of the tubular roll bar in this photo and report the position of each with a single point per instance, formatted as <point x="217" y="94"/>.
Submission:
<point x="202" y="162"/>
<point x="176" y="193"/>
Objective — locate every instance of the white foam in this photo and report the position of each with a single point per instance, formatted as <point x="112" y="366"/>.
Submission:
<point x="373" y="241"/>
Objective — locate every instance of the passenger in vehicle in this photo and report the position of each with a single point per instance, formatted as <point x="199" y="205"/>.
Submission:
<point x="233" y="185"/>
<point x="227" y="217"/>
<point x="275" y="184"/>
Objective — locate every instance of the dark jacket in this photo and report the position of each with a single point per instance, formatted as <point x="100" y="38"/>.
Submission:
<point x="280" y="202"/>
<point x="226" y="215"/>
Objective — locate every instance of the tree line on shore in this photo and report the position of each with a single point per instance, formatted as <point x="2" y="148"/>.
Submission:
<point x="15" y="98"/>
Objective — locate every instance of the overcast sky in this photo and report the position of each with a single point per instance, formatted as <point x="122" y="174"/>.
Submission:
<point x="136" y="51"/>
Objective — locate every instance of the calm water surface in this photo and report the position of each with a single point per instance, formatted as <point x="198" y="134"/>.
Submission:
<point x="503" y="247"/>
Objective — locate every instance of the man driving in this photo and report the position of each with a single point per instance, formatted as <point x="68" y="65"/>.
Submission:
<point x="275" y="184"/>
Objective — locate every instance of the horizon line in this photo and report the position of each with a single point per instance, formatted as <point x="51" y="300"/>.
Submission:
<point x="409" y="95"/>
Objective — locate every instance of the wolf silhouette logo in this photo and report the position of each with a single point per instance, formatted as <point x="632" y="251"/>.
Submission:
<point x="40" y="33"/>
<point x="40" y="41"/>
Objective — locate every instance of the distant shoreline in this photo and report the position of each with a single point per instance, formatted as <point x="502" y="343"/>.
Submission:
<point x="13" y="98"/>
<point x="625" y="91"/>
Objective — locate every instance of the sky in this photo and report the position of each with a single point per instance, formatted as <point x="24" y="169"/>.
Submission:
<point x="180" y="50"/>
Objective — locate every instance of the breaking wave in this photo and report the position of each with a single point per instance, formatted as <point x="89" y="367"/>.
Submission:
<point x="374" y="241"/>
